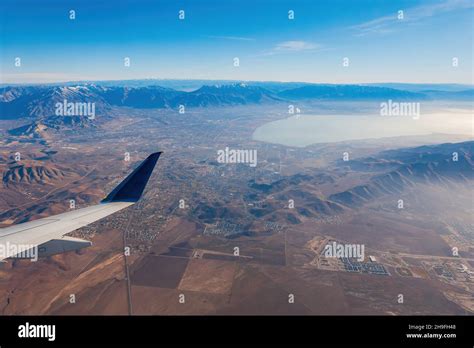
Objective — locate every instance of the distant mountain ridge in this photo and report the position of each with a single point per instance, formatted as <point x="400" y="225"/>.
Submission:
<point x="349" y="92"/>
<point x="275" y="86"/>
<point x="40" y="101"/>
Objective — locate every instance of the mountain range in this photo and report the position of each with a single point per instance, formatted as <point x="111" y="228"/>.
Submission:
<point x="40" y="101"/>
<point x="399" y="169"/>
<point x="388" y="173"/>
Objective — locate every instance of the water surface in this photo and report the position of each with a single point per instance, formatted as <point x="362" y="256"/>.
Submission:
<point x="312" y="129"/>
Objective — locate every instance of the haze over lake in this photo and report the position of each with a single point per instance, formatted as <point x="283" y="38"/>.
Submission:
<point x="310" y="129"/>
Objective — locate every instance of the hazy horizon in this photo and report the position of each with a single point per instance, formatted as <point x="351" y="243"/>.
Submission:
<point x="5" y="84"/>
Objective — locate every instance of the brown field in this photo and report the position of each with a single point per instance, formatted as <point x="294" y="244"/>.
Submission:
<point x="209" y="276"/>
<point x="159" y="271"/>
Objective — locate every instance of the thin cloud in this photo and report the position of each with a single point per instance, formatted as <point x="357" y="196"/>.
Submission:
<point x="386" y="24"/>
<point x="292" y="46"/>
<point x="296" y="46"/>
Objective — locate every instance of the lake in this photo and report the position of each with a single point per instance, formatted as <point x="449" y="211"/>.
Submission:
<point x="305" y="130"/>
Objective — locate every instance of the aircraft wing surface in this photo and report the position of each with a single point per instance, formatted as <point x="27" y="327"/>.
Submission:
<point x="47" y="234"/>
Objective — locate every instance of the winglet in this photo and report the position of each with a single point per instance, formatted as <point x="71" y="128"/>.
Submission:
<point x="131" y="188"/>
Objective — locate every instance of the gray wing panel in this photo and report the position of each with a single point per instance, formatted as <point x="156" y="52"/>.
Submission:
<point x="40" y="231"/>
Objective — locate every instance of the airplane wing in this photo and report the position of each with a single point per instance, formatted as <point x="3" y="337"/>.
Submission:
<point x="46" y="236"/>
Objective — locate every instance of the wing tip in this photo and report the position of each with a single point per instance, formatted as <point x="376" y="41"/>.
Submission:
<point x="132" y="187"/>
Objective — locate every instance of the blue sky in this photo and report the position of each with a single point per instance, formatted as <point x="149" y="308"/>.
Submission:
<point x="381" y="48"/>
